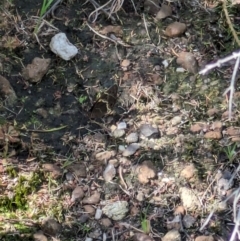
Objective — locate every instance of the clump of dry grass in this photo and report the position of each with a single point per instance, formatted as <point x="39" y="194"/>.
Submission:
<point x="109" y="8"/>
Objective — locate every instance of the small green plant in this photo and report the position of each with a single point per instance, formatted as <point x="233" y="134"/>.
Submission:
<point x="230" y="152"/>
<point x="45" y="6"/>
<point x="145" y="223"/>
<point x="82" y="99"/>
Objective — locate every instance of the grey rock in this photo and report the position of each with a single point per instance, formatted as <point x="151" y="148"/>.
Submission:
<point x="131" y="149"/>
<point x="132" y="137"/>
<point x="149" y="131"/>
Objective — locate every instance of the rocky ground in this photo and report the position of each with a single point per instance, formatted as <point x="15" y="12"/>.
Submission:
<point x="125" y="140"/>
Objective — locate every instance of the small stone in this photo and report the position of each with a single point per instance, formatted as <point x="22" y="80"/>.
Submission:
<point x="42" y="112"/>
<point x="35" y="71"/>
<point x="118" y="133"/>
<point x="51" y="227"/>
<point x="175" y="29"/>
<point x="109" y="172"/>
<point x="204" y="238"/>
<point x="149" y="131"/>
<point x="179" y="210"/>
<point x="39" y="236"/>
<point x="151" y="6"/>
<point x="125" y="63"/>
<point x="189" y="200"/>
<point x="176" y="120"/>
<point x="53" y="168"/>
<point x="217" y="125"/>
<point x="213" y="135"/>
<point x="233" y="131"/>
<point x="105" y="155"/>
<point x="188" y="62"/>
<point x="61" y="46"/>
<point x="116" y="210"/>
<point x="132" y="137"/>
<point x="78" y="169"/>
<point x="7" y="92"/>
<point x="106" y="222"/>
<point x="212" y="112"/>
<point x="93" y="199"/>
<point x="164" y="12"/>
<point x="146" y="171"/>
<point x="198" y="127"/>
<point x="189" y="171"/>
<point x="131" y="149"/>
<point x="77" y="194"/>
<point x="98" y="214"/>
<point x="122" y="125"/>
<point x="223" y="185"/>
<point x="188" y="221"/>
<point x="172" y="235"/>
<point x="89" y="209"/>
<point x="83" y="218"/>
<point x="142" y="237"/>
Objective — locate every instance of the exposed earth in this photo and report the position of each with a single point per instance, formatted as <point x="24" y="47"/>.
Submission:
<point x="126" y="140"/>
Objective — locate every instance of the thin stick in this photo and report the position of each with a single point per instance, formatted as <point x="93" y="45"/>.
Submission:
<point x="230" y="23"/>
<point x="220" y="62"/>
<point x="231" y="87"/>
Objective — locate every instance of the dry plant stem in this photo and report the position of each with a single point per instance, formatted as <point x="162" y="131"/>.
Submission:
<point x="220" y="62"/>
<point x="95" y="4"/>
<point x="207" y="220"/>
<point x="236" y="213"/>
<point x="231" y="87"/>
<point x="145" y="24"/>
<point x="105" y="37"/>
<point x="230" y="23"/>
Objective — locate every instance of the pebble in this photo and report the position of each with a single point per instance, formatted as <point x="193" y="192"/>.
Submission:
<point x="189" y="200"/>
<point x="7" y="92"/>
<point x="132" y="137"/>
<point x="189" y="171"/>
<point x="77" y="193"/>
<point x="93" y="199"/>
<point x="146" y="171"/>
<point x="118" y="133"/>
<point x="164" y="12"/>
<point x="172" y="235"/>
<point x="188" y="62"/>
<point x="98" y="214"/>
<point x="131" y="149"/>
<point x="116" y="210"/>
<point x="188" y="221"/>
<point x="35" y="71"/>
<point x="149" y="131"/>
<point x="175" y="29"/>
<point x="109" y="172"/>
<point x="89" y="209"/>
<point x="122" y="125"/>
<point x="213" y="135"/>
<point x="176" y="120"/>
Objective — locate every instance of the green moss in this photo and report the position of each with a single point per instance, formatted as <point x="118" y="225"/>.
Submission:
<point x="25" y="186"/>
<point x="11" y="171"/>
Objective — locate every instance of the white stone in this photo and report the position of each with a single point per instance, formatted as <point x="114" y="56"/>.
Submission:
<point x="61" y="46"/>
<point x="122" y="125"/>
<point x="98" y="214"/>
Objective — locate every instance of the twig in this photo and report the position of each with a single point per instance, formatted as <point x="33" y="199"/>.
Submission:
<point x="231" y="87"/>
<point x="220" y="62"/>
<point x="230" y="23"/>
<point x="95" y="4"/>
